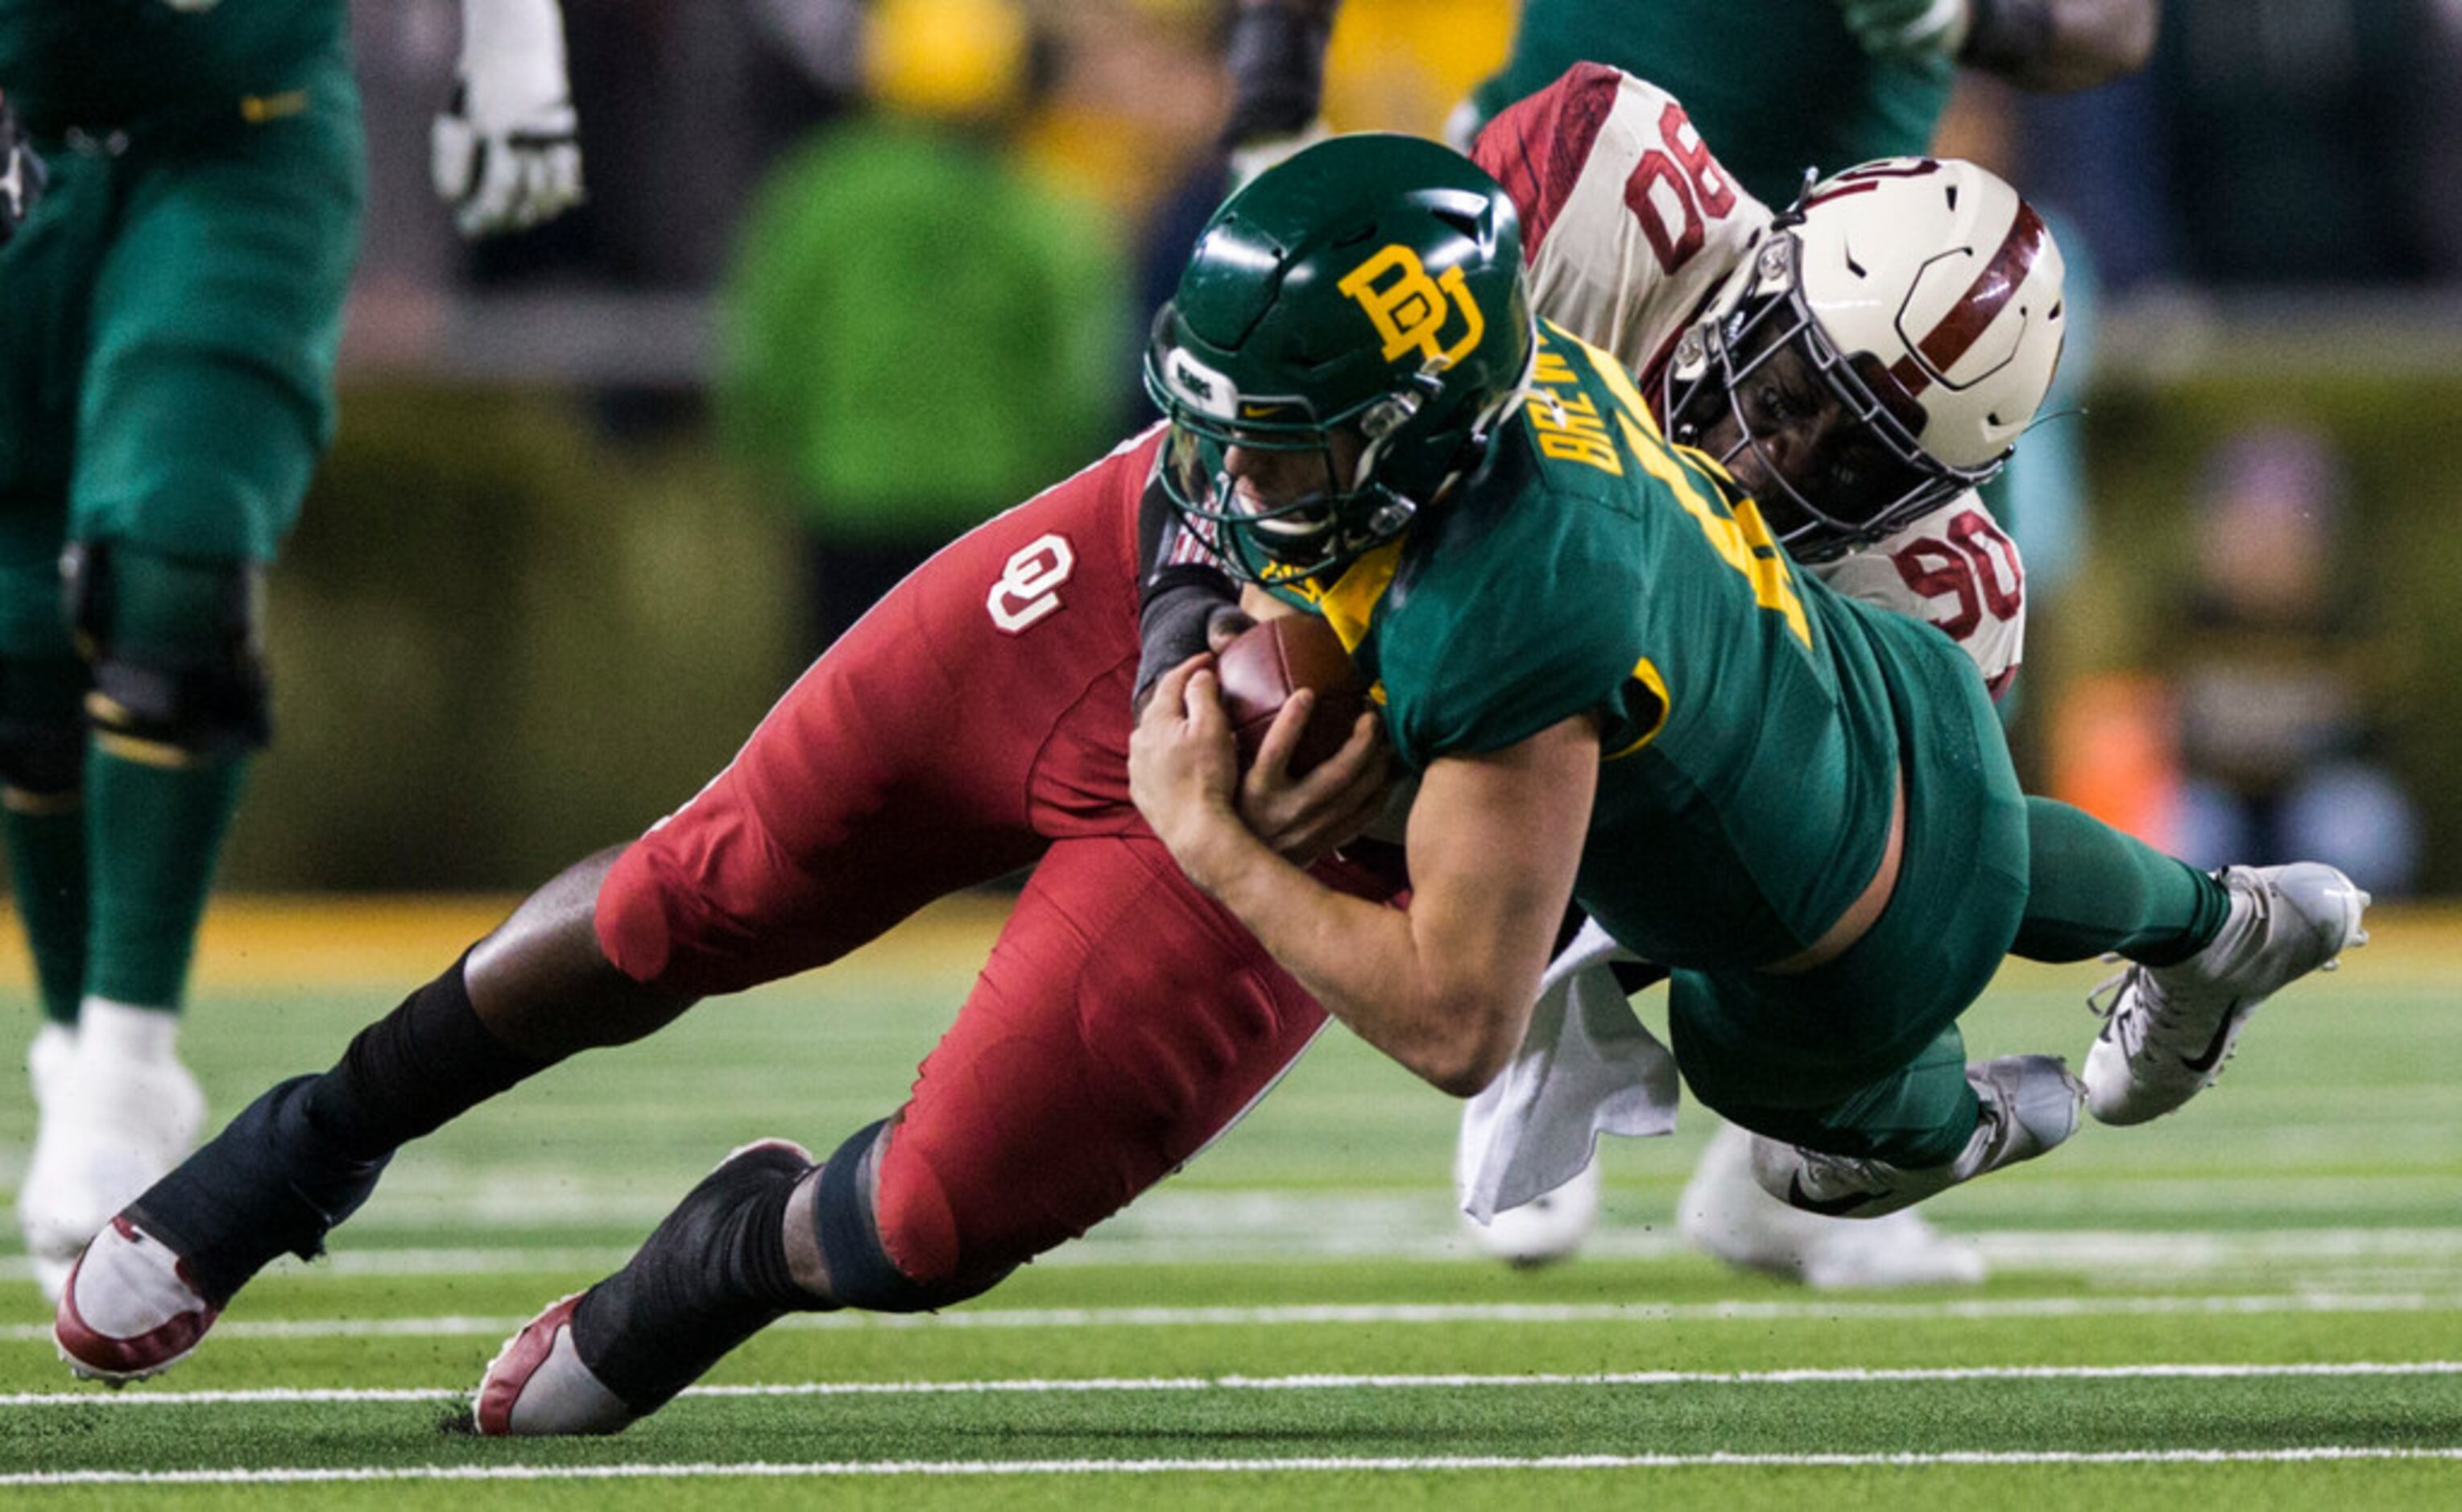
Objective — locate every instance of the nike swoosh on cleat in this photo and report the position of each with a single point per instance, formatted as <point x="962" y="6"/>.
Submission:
<point x="1830" y="1207"/>
<point x="2214" y="1052"/>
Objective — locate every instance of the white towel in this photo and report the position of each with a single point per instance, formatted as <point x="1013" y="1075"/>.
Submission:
<point x="1586" y="1067"/>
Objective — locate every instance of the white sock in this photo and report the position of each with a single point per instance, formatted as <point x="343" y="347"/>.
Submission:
<point x="125" y="1032"/>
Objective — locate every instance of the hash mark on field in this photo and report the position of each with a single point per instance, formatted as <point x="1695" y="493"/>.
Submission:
<point x="1850" y="1376"/>
<point x="1317" y="1314"/>
<point x="765" y="1470"/>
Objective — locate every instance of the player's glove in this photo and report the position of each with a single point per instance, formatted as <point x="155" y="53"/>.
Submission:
<point x="505" y="154"/>
<point x="1909" y="30"/>
<point x="22" y="175"/>
<point x="1277" y="64"/>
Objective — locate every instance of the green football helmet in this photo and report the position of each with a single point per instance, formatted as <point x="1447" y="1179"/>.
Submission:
<point x="1369" y="284"/>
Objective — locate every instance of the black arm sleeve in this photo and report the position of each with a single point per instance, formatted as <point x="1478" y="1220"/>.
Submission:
<point x="1177" y="599"/>
<point x="1172" y="619"/>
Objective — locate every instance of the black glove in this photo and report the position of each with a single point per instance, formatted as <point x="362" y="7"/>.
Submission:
<point x="1277" y="62"/>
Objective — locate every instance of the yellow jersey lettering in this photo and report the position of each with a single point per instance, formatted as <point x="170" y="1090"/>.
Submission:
<point x="1565" y="421"/>
<point x="1568" y="427"/>
<point x="1738" y="535"/>
<point x="1742" y="539"/>
<point x="1627" y="398"/>
<point x="1551" y="368"/>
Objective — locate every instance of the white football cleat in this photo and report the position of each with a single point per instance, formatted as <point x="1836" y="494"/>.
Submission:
<point x="536" y="1386"/>
<point x="129" y="1309"/>
<point x="2167" y="1029"/>
<point x="118" y="1114"/>
<point x="1547" y="1228"/>
<point x="2029" y="1106"/>
<point x="1724" y="1214"/>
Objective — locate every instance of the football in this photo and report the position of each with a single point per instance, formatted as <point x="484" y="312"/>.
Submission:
<point x="1272" y="660"/>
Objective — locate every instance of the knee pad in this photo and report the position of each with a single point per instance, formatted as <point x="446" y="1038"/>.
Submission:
<point x="861" y="1274"/>
<point x="178" y="667"/>
<point x="42" y="730"/>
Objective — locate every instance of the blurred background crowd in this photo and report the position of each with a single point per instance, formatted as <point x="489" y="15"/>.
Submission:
<point x="856" y="274"/>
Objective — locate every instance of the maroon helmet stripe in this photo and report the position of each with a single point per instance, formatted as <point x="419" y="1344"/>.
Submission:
<point x="1979" y="306"/>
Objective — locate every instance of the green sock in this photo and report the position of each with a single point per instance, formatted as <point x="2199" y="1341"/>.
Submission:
<point x="2093" y="889"/>
<point x="45" y="834"/>
<point x="154" y="834"/>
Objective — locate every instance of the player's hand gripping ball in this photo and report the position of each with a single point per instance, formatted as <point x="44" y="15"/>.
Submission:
<point x="1272" y="660"/>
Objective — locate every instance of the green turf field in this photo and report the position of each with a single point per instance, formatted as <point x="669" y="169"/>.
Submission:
<point x="2251" y="1304"/>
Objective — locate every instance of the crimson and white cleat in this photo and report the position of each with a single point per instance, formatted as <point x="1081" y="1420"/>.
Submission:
<point x="602" y="1359"/>
<point x="129" y="1309"/>
<point x="118" y="1110"/>
<point x="536" y="1386"/>
<point x="1724" y="1214"/>
<point x="2029" y="1105"/>
<point x="2167" y="1029"/>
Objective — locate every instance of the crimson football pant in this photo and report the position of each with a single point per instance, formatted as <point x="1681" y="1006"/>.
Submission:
<point x="974" y="721"/>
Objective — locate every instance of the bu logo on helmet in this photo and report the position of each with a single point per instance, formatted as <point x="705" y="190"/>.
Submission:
<point x="1410" y="309"/>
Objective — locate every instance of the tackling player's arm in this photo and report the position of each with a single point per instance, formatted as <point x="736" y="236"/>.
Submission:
<point x="2045" y="45"/>
<point x="1444" y="987"/>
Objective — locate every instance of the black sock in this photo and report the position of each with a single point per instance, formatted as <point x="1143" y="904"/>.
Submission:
<point x="413" y="1071"/>
<point x="759" y="1253"/>
<point x="711" y="1276"/>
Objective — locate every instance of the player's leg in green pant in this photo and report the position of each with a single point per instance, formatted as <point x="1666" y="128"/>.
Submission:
<point x="204" y="401"/>
<point x="177" y="705"/>
<point x="48" y="270"/>
<point x="2094" y="889"/>
<point x="42" y="807"/>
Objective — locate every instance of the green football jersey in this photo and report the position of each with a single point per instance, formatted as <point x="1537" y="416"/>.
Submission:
<point x="102" y="65"/>
<point x="1750" y="760"/>
<point x="1775" y="86"/>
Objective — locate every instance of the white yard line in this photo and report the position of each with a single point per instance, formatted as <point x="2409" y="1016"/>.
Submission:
<point x="838" y="1469"/>
<point x="1318" y="1314"/>
<point x="2170" y="1253"/>
<point x="1850" y="1376"/>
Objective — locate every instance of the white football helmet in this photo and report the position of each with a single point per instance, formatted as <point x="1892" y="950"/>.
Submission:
<point x="1925" y="295"/>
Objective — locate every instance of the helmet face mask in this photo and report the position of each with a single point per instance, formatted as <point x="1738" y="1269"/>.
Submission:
<point x="1349" y="331"/>
<point x="1916" y="305"/>
<point x="1291" y="520"/>
<point x="1737" y="380"/>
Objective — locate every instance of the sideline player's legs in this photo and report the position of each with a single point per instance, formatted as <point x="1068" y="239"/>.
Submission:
<point x="206" y="312"/>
